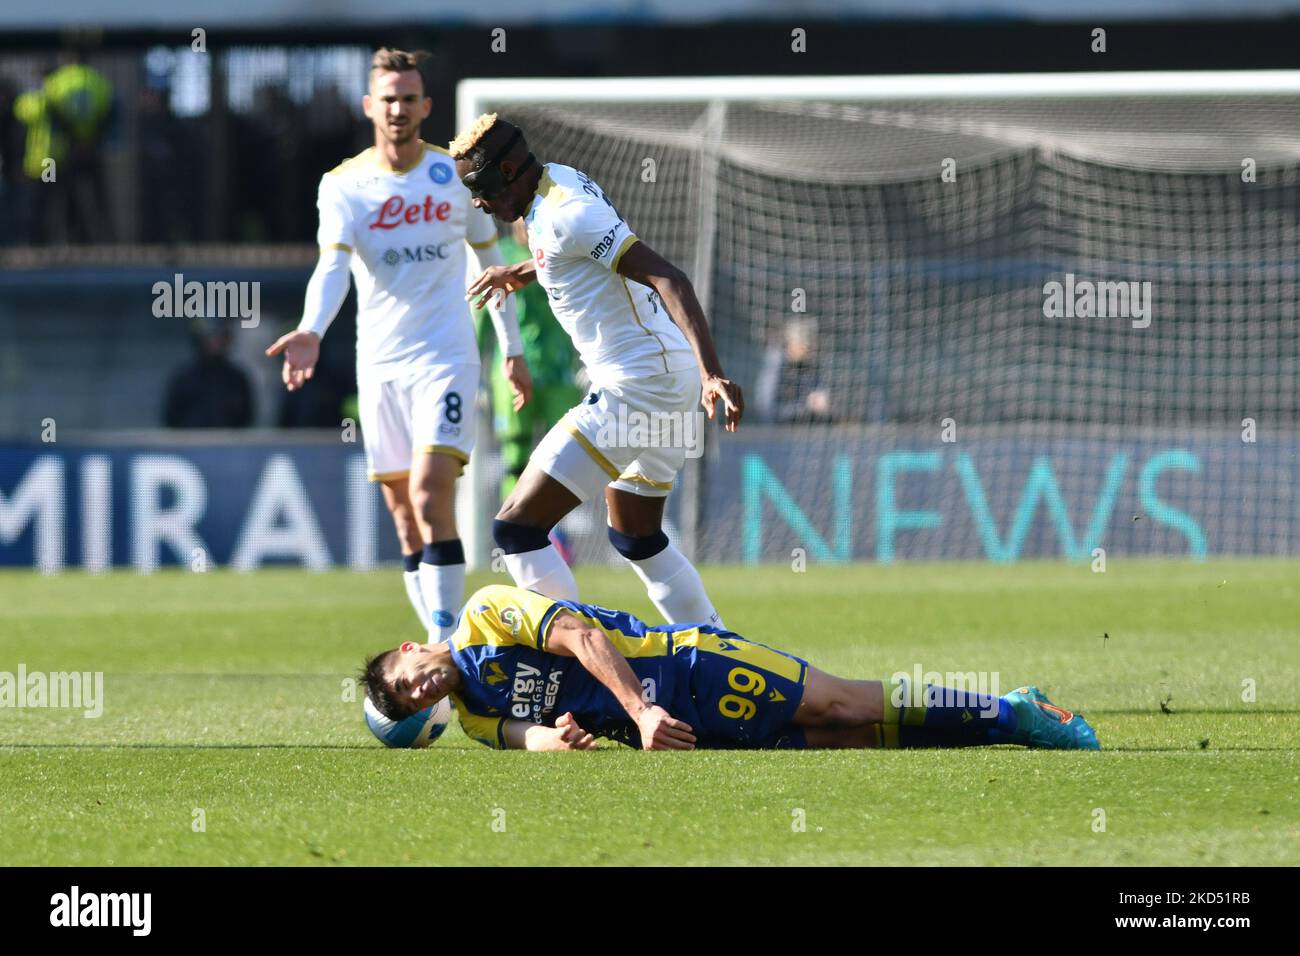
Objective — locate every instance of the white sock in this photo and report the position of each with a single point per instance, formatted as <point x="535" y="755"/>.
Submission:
<point x="545" y="572"/>
<point x="412" y="581"/>
<point x="443" y="586"/>
<point x="676" y="589"/>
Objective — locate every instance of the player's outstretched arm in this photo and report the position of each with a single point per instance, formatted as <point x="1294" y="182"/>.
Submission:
<point x="570" y="637"/>
<point x="565" y="735"/>
<point x="326" y="290"/>
<point x="642" y="264"/>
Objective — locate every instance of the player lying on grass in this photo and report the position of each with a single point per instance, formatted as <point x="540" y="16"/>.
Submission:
<point x="532" y="673"/>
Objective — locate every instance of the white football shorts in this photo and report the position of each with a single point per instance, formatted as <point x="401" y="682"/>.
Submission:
<point x="429" y="409"/>
<point x="632" y="435"/>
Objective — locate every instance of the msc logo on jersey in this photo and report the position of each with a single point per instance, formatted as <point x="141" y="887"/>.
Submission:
<point x="440" y="173"/>
<point x="427" y="253"/>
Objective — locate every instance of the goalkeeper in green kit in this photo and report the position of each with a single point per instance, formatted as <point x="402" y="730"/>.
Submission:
<point x="550" y="357"/>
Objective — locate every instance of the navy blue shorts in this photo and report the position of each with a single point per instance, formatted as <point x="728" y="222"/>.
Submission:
<point x="736" y="693"/>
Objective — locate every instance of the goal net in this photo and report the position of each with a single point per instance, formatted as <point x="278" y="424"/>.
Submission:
<point x="984" y="317"/>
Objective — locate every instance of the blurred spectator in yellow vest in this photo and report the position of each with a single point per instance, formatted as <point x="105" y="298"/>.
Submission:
<point x="66" y="120"/>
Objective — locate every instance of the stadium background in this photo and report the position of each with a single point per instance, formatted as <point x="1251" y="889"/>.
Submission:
<point x="921" y="307"/>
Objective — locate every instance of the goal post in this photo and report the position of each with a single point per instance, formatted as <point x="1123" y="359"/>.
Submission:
<point x="976" y="316"/>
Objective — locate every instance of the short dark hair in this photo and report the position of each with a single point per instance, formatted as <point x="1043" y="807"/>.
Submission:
<point x="386" y="59"/>
<point x="377" y="688"/>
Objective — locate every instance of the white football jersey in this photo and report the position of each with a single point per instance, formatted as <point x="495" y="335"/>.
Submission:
<point x="407" y="232"/>
<point x="619" y="327"/>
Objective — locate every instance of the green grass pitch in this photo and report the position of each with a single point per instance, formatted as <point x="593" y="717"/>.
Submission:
<point x="224" y="693"/>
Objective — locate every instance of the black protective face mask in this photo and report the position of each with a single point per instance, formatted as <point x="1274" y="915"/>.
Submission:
<point x="488" y="182"/>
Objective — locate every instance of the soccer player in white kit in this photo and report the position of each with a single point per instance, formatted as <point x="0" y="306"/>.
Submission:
<point x="398" y="217"/>
<point x="642" y="335"/>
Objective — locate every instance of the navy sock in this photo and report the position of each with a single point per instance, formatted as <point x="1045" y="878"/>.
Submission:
<point x="514" y="538"/>
<point x="443" y="552"/>
<point x="638" y="549"/>
<point x="946" y="717"/>
<point x="411" y="562"/>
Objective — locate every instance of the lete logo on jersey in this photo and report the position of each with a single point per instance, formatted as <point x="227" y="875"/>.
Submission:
<point x="397" y="212"/>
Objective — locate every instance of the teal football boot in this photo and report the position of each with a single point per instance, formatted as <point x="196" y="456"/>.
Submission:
<point x="1040" y="723"/>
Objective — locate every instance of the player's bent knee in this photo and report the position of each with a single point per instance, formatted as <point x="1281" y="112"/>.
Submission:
<point x="510" y="511"/>
<point x="434" y="486"/>
<point x="638" y="549"/>
<point x="515" y="538"/>
<point x="425" y="498"/>
<point x="538" y="500"/>
<point x="830" y="701"/>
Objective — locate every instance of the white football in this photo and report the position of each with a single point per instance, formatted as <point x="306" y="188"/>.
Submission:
<point x="419" y="730"/>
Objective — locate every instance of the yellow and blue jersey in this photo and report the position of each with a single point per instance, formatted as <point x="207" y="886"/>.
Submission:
<point x="735" y="693"/>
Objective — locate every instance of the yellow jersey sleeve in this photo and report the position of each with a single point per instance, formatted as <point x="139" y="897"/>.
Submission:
<point x="489" y="731"/>
<point x="501" y="614"/>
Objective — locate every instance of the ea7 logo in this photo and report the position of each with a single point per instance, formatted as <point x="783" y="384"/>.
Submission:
<point x="103" y="909"/>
